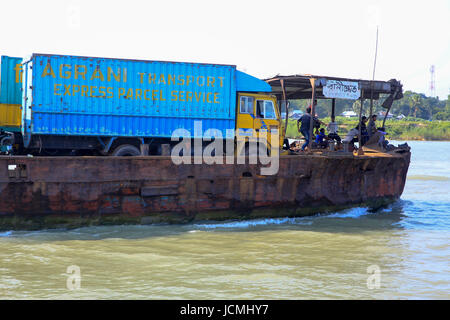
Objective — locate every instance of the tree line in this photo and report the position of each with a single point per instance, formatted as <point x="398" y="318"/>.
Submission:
<point x="412" y="105"/>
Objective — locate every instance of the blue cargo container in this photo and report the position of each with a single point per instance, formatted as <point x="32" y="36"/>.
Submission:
<point x="10" y="94"/>
<point x="103" y="97"/>
<point x="10" y="80"/>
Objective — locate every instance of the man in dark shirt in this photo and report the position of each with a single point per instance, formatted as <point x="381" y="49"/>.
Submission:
<point x="364" y="133"/>
<point x="305" y="121"/>
<point x="372" y="127"/>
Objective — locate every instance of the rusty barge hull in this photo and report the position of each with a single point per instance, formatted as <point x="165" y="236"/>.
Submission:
<point x="54" y="192"/>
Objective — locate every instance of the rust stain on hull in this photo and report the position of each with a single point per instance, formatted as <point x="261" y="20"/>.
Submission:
<point x="47" y="192"/>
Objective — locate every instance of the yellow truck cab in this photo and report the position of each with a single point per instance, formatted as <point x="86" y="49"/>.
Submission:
<point x="258" y="113"/>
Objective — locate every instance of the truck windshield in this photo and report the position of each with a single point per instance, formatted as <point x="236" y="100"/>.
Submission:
<point x="269" y="111"/>
<point x="265" y="109"/>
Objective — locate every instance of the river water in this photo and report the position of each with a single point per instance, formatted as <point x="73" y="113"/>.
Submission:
<point x="401" y="252"/>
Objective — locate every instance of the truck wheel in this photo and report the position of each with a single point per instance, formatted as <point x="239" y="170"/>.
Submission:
<point x="126" y="150"/>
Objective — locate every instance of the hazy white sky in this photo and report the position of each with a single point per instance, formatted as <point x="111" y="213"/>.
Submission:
<point x="263" y="38"/>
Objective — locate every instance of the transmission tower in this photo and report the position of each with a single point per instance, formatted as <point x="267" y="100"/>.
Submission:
<point x="432" y="82"/>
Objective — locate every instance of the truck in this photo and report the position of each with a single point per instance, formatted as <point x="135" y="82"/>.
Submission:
<point x="103" y="106"/>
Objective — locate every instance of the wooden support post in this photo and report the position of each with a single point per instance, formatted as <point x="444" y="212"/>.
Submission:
<point x="286" y="106"/>
<point x="371" y="102"/>
<point x="388" y="104"/>
<point x="313" y="112"/>
<point x="333" y="109"/>
<point x="360" y="150"/>
<point x="385" y="116"/>
<point x="371" y="107"/>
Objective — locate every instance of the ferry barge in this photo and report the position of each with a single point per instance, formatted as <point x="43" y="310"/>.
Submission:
<point x="110" y="148"/>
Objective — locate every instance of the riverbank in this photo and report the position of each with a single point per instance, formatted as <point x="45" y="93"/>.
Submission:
<point x="397" y="129"/>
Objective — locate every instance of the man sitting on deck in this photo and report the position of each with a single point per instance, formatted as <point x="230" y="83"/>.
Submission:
<point x="321" y="139"/>
<point x="378" y="140"/>
<point x="350" y="138"/>
<point x="332" y="131"/>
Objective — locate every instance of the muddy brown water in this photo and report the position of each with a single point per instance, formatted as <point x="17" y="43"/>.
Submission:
<point x="399" y="252"/>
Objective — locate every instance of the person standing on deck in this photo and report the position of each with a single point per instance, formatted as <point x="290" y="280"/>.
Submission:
<point x="364" y="134"/>
<point x="305" y="121"/>
<point x="317" y="122"/>
<point x="372" y="127"/>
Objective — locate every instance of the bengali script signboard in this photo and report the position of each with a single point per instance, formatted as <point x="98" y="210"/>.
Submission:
<point x="341" y="89"/>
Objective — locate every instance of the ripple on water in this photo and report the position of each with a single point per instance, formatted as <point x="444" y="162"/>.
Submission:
<point x="428" y="178"/>
<point x="5" y="234"/>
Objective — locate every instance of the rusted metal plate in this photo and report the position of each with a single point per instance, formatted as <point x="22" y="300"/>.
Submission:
<point x="159" y="191"/>
<point x="127" y="189"/>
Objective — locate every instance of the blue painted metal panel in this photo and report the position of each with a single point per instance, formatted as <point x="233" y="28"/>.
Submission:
<point x="248" y="83"/>
<point x="10" y="82"/>
<point x="116" y="97"/>
<point x="88" y="96"/>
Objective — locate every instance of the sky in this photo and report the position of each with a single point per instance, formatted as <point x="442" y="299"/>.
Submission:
<point x="262" y="38"/>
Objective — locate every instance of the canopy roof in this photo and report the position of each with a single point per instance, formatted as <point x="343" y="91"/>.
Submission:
<point x="299" y="87"/>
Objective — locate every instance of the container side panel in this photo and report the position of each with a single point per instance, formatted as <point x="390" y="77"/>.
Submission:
<point x="11" y="74"/>
<point x="110" y="125"/>
<point x="113" y="97"/>
<point x="10" y="93"/>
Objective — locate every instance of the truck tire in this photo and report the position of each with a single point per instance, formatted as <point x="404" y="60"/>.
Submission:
<point x="126" y="150"/>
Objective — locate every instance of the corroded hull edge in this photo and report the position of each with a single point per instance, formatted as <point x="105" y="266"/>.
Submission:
<point x="55" y="192"/>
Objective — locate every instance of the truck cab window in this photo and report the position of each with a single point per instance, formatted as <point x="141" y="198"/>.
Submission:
<point x="265" y="109"/>
<point x="269" y="110"/>
<point x="246" y="105"/>
<point x="260" y="108"/>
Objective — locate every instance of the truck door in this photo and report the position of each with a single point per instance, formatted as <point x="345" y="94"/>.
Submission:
<point x="256" y="113"/>
<point x="266" y="116"/>
<point x="245" y="115"/>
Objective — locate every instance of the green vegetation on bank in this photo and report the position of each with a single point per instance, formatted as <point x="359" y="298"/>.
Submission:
<point x="397" y="129"/>
<point x="412" y="105"/>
